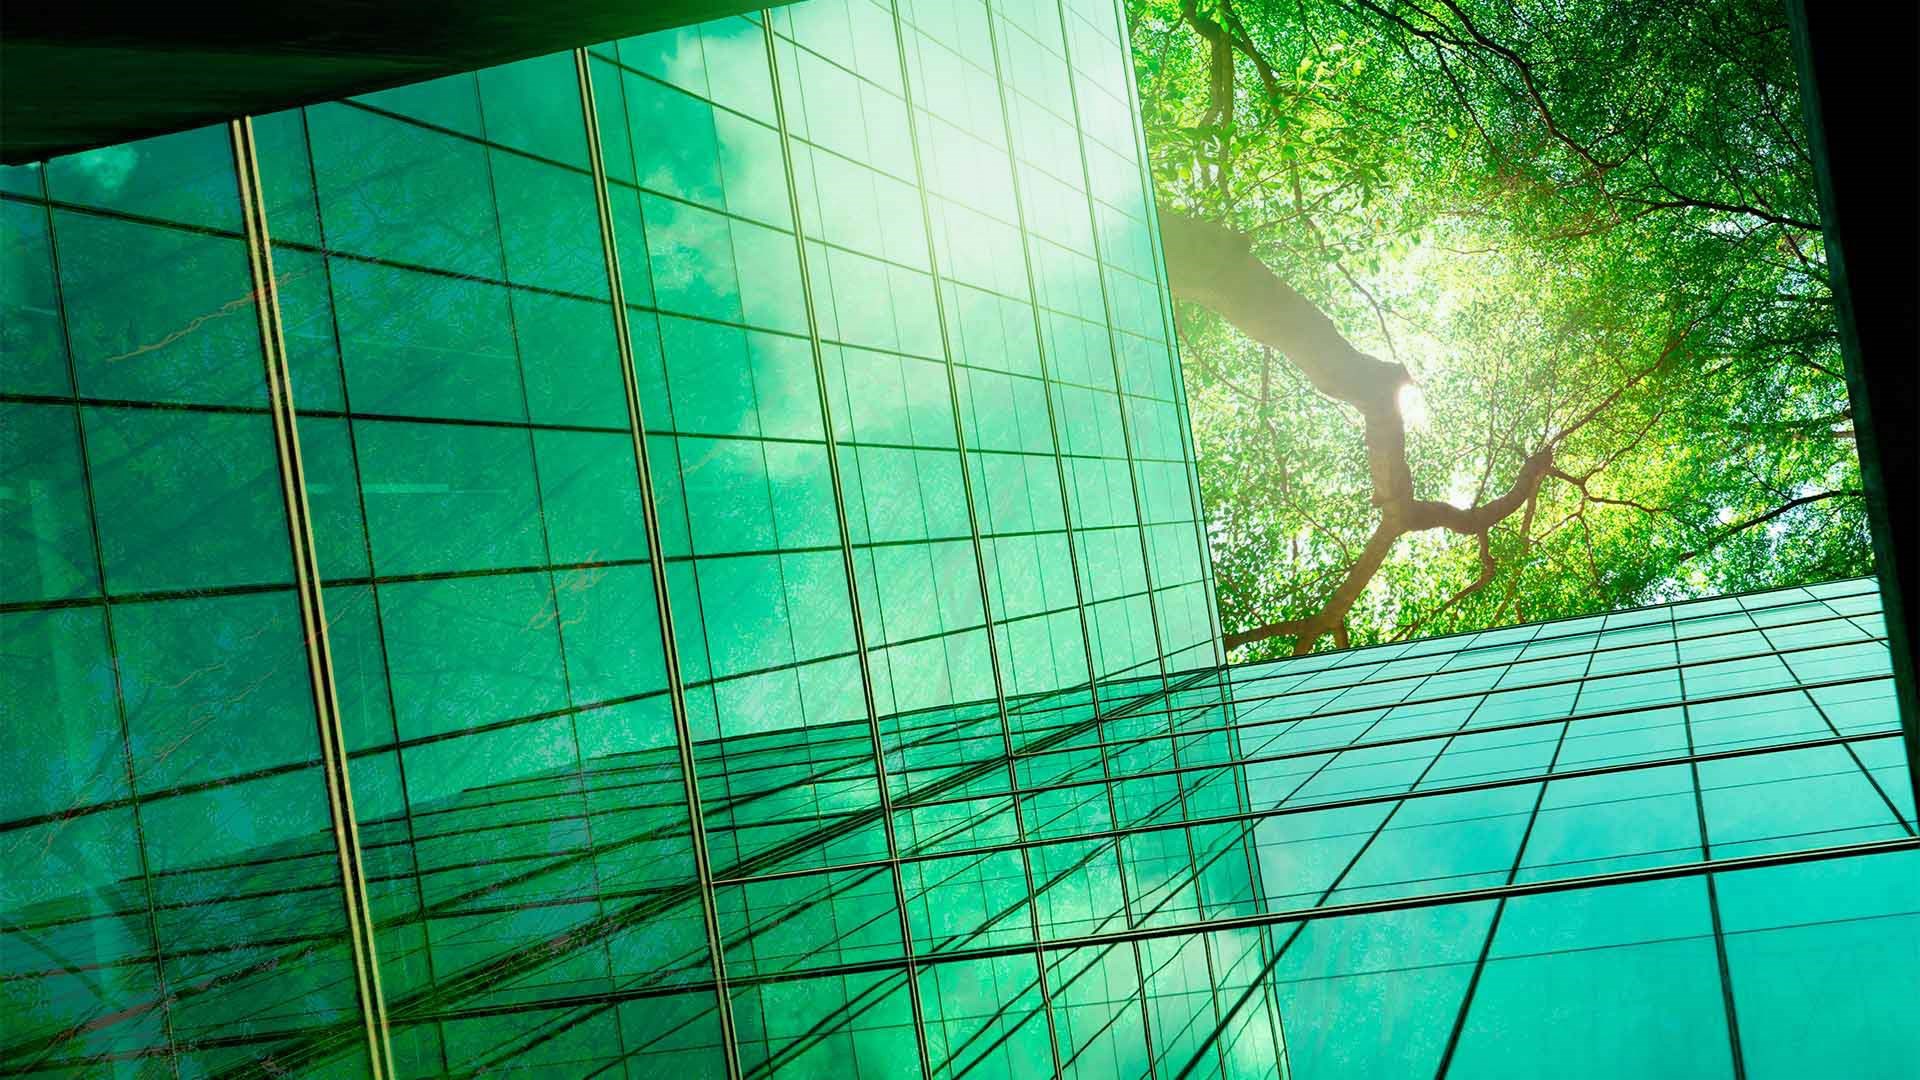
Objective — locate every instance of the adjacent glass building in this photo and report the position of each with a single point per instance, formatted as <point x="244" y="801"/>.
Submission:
<point x="683" y="558"/>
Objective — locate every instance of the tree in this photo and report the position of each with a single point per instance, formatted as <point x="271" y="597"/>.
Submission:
<point x="1495" y="311"/>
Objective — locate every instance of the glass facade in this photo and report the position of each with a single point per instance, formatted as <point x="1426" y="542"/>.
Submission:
<point x="684" y="557"/>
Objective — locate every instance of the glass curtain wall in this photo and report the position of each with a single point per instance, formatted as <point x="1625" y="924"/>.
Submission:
<point x="688" y="561"/>
<point x="724" y="336"/>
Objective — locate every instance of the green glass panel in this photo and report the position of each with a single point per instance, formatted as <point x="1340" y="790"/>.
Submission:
<point x="692" y="260"/>
<point x="711" y="378"/>
<point x="684" y="157"/>
<point x="63" y="747"/>
<point x="571" y="360"/>
<point x="452" y="103"/>
<point x="307" y="320"/>
<point x="794" y="1025"/>
<point x="48" y="551"/>
<point x="23" y="180"/>
<point x="1646" y="948"/>
<point x="1343" y="976"/>
<point x="1096" y="1007"/>
<point x="246" y="705"/>
<point x="534" y="105"/>
<point x="984" y="1018"/>
<point x="33" y="344"/>
<point x="725" y="485"/>
<point x="470" y="651"/>
<point x="458" y="362"/>
<point x="753" y="169"/>
<point x="286" y="177"/>
<point x="612" y="646"/>
<point x="549" y="226"/>
<point x="359" y="671"/>
<point x="745" y="614"/>
<point x="448" y="497"/>
<point x="333" y="497"/>
<point x="159" y="314"/>
<point x="590" y="496"/>
<point x="396" y="191"/>
<point x="736" y="52"/>
<point x="1827" y="930"/>
<point x="186" y="178"/>
<point x="186" y="500"/>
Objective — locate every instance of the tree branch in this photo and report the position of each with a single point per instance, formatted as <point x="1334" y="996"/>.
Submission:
<point x="1487" y="568"/>
<point x="1215" y="267"/>
<point x="1306" y="632"/>
<point x="1219" y="115"/>
<point x="1426" y="514"/>
<point x="1762" y="519"/>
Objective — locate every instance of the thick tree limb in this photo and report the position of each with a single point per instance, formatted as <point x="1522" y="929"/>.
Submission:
<point x="1219" y="62"/>
<point x="1309" y="630"/>
<point x="1214" y="266"/>
<point x="1425" y="514"/>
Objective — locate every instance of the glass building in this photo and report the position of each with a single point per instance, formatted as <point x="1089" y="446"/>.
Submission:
<point x="683" y="558"/>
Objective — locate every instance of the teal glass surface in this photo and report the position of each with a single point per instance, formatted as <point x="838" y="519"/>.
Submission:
<point x="823" y="680"/>
<point x="173" y="889"/>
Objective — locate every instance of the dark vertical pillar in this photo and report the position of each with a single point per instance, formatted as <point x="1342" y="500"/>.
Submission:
<point x="1859" y="91"/>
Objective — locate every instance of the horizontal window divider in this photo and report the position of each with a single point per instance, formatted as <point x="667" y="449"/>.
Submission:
<point x="83" y="402"/>
<point x="557" y="1003"/>
<point x="481" y="572"/>
<point x="1256" y="816"/>
<point x="459" y="421"/>
<point x="1358" y="656"/>
<point x="435" y="271"/>
<point x="1228" y="924"/>
<point x="359" y="103"/>
<point x="125" y="216"/>
<point x="154" y="596"/>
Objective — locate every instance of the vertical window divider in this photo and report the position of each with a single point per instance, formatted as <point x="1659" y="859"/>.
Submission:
<point x="1460" y="1016"/>
<point x="1133" y="479"/>
<point x="149" y="922"/>
<point x="1113" y="346"/>
<point x="1053" y="422"/>
<point x="973" y="527"/>
<point x="1189" y="469"/>
<point x="1727" y="1001"/>
<point x="307" y="588"/>
<point x="846" y="550"/>
<point x="656" y="562"/>
<point x="1004" y="86"/>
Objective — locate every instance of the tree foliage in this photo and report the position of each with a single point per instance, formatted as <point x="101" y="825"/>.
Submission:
<point x="1496" y="310"/>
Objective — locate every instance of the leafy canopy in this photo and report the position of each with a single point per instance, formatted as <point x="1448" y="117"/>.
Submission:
<point x="1588" y="235"/>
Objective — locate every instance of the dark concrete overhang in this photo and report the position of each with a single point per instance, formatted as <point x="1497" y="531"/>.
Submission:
<point x="76" y="74"/>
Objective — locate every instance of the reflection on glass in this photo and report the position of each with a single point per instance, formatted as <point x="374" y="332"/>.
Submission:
<point x="976" y="798"/>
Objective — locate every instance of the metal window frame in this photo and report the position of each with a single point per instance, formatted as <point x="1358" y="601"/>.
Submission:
<point x="313" y="618"/>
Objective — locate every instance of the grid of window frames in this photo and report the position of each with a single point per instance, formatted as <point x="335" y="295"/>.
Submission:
<point x="167" y="830"/>
<point x="828" y="345"/>
<point x="479" y="496"/>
